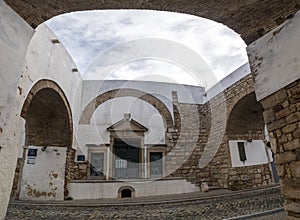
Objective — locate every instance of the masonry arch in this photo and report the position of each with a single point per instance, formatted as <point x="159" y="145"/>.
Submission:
<point x="117" y="93"/>
<point x="244" y="142"/>
<point x="245" y="116"/>
<point x="48" y="141"/>
<point x="126" y="192"/>
<point x="247" y="18"/>
<point x="48" y="116"/>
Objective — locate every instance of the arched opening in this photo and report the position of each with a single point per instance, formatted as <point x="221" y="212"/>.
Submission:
<point x="48" y="140"/>
<point x="126" y="192"/>
<point x="246" y="117"/>
<point x="249" y="154"/>
<point x="47" y="120"/>
<point x="268" y="22"/>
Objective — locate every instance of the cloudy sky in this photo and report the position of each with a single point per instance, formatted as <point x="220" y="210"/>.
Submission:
<point x="90" y="35"/>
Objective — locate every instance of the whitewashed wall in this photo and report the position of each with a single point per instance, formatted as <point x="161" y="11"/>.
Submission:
<point x="162" y="91"/>
<point x="275" y="58"/>
<point x="96" y="190"/>
<point x="48" y="60"/>
<point x="113" y="111"/>
<point x="255" y="153"/>
<point x="15" y="35"/>
<point x="29" y="56"/>
<point x="44" y="175"/>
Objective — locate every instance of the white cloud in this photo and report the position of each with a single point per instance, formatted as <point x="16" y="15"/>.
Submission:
<point x="90" y="33"/>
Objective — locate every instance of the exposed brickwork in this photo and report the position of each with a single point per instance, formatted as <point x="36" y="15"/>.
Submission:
<point x="47" y="121"/>
<point x="74" y="170"/>
<point x="48" y="116"/>
<point x="283" y="122"/>
<point x="251" y="19"/>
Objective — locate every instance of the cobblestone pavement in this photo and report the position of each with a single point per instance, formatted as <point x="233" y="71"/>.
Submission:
<point x="216" y="205"/>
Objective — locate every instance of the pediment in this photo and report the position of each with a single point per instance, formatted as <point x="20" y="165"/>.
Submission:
<point x="127" y="125"/>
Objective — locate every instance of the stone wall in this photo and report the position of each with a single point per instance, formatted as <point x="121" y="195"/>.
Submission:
<point x="15" y="187"/>
<point x="74" y="170"/>
<point x="251" y="19"/>
<point x="193" y="128"/>
<point x="282" y="115"/>
<point x="14" y="38"/>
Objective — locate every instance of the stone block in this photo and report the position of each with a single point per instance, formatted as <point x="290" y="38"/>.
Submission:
<point x="296" y="133"/>
<point x="295" y="89"/>
<point x="289" y="128"/>
<point x="276" y="124"/>
<point x="204" y="187"/>
<point x="232" y="172"/>
<point x="290" y="192"/>
<point x="274" y="99"/>
<point x="245" y="177"/>
<point x="234" y="178"/>
<point x="295" y="169"/>
<point x="293" y="117"/>
<point x="257" y="176"/>
<point x="285" y="157"/>
<point x="292" y="145"/>
<point x="269" y="116"/>
<point x="257" y="181"/>
<point x="292" y="206"/>
<point x="283" y="113"/>
<point x="285" y="104"/>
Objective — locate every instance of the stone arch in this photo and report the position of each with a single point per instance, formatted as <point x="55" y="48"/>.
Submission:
<point x="246" y="115"/>
<point x="117" y="93"/>
<point x="236" y="16"/>
<point x="126" y="192"/>
<point x="245" y="130"/>
<point x="48" y="117"/>
<point x="47" y="114"/>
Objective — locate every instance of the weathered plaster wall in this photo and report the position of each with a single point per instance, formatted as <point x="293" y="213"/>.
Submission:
<point x="15" y="35"/>
<point x="162" y="91"/>
<point x="44" y="178"/>
<point x="41" y="59"/>
<point x="98" y="190"/>
<point x="112" y="111"/>
<point x="48" y="59"/>
<point x="275" y="58"/>
<point x="276" y="64"/>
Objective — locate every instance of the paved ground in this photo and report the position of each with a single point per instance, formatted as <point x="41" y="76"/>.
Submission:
<point x="217" y="204"/>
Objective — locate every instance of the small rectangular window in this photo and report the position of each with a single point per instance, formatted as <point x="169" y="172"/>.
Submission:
<point x="80" y="157"/>
<point x="242" y="152"/>
<point x="97" y="161"/>
<point x="156" y="163"/>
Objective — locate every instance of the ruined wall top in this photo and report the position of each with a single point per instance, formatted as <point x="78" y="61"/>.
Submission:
<point x="250" y="18"/>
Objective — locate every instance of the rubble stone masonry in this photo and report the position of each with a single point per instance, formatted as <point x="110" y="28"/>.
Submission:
<point x="282" y="115"/>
